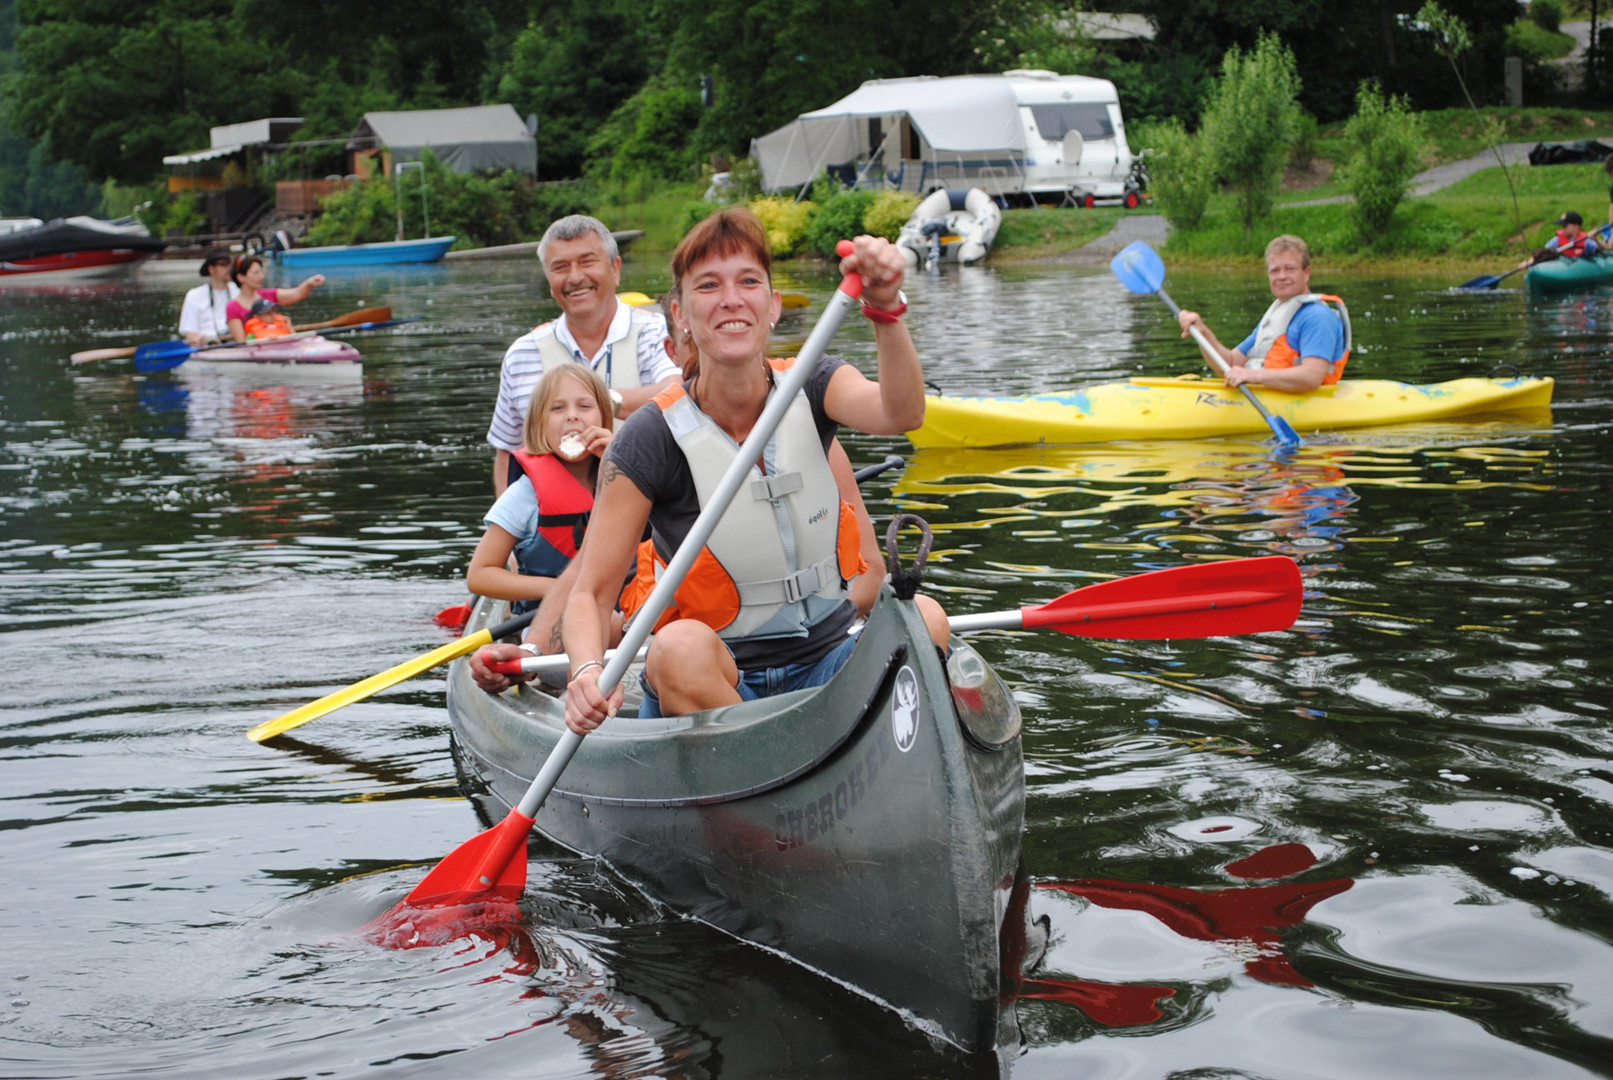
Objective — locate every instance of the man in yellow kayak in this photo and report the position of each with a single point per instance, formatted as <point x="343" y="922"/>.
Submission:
<point x="1302" y="342"/>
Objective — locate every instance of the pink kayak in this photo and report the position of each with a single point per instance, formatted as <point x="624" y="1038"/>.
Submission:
<point x="302" y="352"/>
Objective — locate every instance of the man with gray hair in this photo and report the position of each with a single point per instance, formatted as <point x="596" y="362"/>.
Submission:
<point x="626" y="345"/>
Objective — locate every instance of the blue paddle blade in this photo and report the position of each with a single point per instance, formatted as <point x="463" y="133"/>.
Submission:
<point x="1284" y="431"/>
<point x="162" y="355"/>
<point x="1139" y="268"/>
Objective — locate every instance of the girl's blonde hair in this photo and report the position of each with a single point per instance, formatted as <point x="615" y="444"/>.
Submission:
<point x="548" y="388"/>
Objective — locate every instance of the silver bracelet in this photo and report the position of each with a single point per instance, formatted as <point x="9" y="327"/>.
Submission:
<point x="529" y="648"/>
<point x="600" y="664"/>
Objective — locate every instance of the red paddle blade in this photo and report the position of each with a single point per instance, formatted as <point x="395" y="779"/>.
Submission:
<point x="454" y="618"/>
<point x="477" y="883"/>
<point x="1240" y="596"/>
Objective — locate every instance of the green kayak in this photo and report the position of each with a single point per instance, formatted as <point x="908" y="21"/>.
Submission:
<point x="1570" y="275"/>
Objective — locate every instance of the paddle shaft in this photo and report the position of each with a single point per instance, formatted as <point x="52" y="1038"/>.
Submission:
<point x="1282" y="429"/>
<point x="375" y="683"/>
<point x="1236" y="596"/>
<point x="792" y="382"/>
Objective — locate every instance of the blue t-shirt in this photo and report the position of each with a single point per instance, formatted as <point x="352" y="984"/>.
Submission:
<point x="1315" y="330"/>
<point x="516" y="512"/>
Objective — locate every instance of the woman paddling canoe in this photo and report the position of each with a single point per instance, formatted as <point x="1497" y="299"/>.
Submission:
<point x="779" y="620"/>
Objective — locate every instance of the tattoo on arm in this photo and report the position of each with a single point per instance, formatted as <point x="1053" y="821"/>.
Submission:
<point x="608" y="471"/>
<point x="556" y="636"/>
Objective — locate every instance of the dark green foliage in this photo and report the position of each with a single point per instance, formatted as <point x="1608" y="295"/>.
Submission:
<point x="1336" y="45"/>
<point x="1547" y="14"/>
<point x="649" y="135"/>
<point x="573" y="68"/>
<point x="31" y="185"/>
<point x="113" y="87"/>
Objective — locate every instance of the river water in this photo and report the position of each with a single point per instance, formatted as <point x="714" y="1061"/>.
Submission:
<point x="1376" y="845"/>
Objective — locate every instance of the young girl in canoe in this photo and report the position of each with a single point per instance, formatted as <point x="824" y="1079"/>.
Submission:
<point x="540" y="518"/>
<point x="253" y="314"/>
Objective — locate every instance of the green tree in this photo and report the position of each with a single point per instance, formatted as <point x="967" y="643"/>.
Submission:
<point x="574" y="69"/>
<point x="1180" y="180"/>
<point x="648" y="134"/>
<point x="1250" y="123"/>
<point x="113" y="87"/>
<point x="1385" y="139"/>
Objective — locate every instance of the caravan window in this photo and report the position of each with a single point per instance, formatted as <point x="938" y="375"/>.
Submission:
<point x="1091" y="119"/>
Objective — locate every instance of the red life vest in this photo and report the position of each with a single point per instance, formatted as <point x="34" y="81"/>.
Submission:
<point x="564" y="503"/>
<point x="1571" y="249"/>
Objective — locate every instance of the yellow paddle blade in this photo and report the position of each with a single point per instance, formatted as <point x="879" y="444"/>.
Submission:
<point x="361" y="690"/>
<point x="794" y="299"/>
<point x="636" y="299"/>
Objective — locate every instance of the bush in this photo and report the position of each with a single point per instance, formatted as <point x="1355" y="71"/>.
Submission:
<point x="889" y="212"/>
<point x="1547" y="14"/>
<point x="1250" y="123"/>
<point x="482" y="210"/>
<point x="786" y="223"/>
<point x="839" y="215"/>
<point x="180" y="215"/>
<point x="1385" y="139"/>
<point x="1180" y="180"/>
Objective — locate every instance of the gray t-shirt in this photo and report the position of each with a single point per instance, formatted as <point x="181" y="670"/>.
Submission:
<point x="648" y="455"/>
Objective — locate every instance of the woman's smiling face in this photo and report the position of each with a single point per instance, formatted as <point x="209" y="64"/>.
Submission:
<point x="728" y="304"/>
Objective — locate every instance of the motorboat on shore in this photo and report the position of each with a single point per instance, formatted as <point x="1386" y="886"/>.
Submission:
<point x="868" y="829"/>
<point x="1190" y="407"/>
<point x="74" y="248"/>
<point x="949" y="225"/>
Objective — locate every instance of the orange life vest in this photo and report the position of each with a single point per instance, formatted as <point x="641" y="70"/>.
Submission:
<point x="1279" y="353"/>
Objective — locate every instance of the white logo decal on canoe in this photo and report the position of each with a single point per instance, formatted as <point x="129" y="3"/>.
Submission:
<point x="905" y="710"/>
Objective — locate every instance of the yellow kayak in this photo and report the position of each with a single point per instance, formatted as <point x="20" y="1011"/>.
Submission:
<point x="1188" y="407"/>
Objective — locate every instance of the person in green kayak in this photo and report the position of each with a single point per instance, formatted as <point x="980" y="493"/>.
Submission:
<point x="1571" y="242"/>
<point x="1301" y="342"/>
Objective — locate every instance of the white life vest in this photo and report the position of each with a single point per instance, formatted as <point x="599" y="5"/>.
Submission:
<point x="619" y="372"/>
<point x="1271" y="348"/>
<point x="780" y="558"/>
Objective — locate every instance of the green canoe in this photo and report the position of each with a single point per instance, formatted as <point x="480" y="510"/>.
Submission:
<point x="1569" y="275"/>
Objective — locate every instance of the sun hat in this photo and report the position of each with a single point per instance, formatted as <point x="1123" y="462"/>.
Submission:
<point x="216" y="255"/>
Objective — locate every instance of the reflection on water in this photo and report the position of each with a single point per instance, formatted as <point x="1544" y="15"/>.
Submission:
<point x="1371" y="846"/>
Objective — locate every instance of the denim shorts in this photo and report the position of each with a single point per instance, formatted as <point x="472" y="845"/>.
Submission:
<point x="765" y="682"/>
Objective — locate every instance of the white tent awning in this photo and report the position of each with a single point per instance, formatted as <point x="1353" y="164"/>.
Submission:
<point x="960" y="115"/>
<point x="202" y="155"/>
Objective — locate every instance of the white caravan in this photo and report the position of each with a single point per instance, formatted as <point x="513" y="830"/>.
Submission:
<point x="1020" y="135"/>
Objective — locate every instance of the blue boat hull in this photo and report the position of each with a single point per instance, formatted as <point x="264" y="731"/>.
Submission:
<point x="428" y="250"/>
